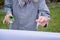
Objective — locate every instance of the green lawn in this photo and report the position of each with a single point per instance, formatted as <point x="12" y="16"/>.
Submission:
<point x="54" y="24"/>
<point x="2" y="26"/>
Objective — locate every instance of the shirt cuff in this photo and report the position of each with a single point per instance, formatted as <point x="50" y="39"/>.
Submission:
<point x="45" y="14"/>
<point x="8" y="10"/>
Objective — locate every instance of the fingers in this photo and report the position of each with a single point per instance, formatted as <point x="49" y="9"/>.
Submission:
<point x="3" y="21"/>
<point x="42" y="21"/>
<point x="6" y="20"/>
<point x="43" y="24"/>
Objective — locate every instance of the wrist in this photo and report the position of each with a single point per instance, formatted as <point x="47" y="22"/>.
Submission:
<point x="9" y="14"/>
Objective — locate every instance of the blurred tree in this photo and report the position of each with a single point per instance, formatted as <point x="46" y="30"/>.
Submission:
<point x="58" y="0"/>
<point x="1" y="2"/>
<point x="47" y="1"/>
<point x="52" y="1"/>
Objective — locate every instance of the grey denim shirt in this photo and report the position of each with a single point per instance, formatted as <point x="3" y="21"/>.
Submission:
<point x="26" y="14"/>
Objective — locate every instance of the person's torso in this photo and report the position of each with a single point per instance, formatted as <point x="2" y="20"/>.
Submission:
<point x="26" y="14"/>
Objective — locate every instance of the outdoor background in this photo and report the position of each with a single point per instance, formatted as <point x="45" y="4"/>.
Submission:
<point x="54" y="24"/>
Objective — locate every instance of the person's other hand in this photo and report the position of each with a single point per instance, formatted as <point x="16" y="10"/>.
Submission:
<point x="42" y="20"/>
<point x="6" y="19"/>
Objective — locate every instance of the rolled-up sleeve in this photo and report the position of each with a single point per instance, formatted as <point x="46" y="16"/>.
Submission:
<point x="43" y="9"/>
<point x="8" y="6"/>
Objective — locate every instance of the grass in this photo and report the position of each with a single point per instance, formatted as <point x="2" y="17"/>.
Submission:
<point x="2" y="26"/>
<point x="54" y="24"/>
<point x="53" y="4"/>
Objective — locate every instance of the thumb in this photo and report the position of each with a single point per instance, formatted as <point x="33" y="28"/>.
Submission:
<point x="3" y="21"/>
<point x="37" y="20"/>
